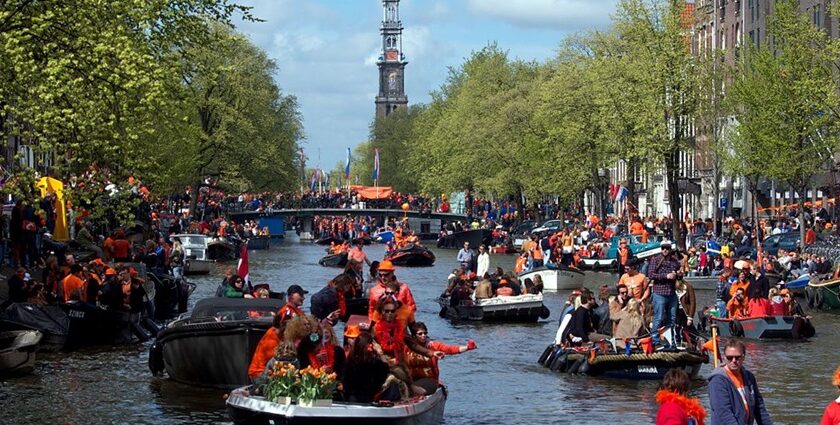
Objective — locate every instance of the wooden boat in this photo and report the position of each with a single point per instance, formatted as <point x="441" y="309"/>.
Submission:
<point x="214" y="345"/>
<point x="556" y="279"/>
<point x="635" y="366"/>
<point x="259" y="243"/>
<point x="412" y="256"/>
<point x="825" y="294"/>
<point x="17" y="352"/>
<point x="475" y="237"/>
<point x="598" y="263"/>
<point x="768" y="327"/>
<point x="334" y="260"/>
<point x="520" y="308"/>
<point x="245" y="408"/>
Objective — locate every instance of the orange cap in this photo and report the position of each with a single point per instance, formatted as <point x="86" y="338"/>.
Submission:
<point x="785" y="291"/>
<point x="110" y="272"/>
<point x="503" y="282"/>
<point x="132" y="271"/>
<point x="386" y="266"/>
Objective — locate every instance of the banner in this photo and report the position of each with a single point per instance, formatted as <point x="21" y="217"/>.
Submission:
<point x="347" y="166"/>
<point x="51" y="185"/>
<point x="371" y="192"/>
<point x="375" y="175"/>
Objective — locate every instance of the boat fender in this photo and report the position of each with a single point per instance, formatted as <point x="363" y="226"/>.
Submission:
<point x="810" y="297"/>
<point x="584" y="367"/>
<point x="156" y="358"/>
<point x="545" y="312"/>
<point x="555" y="351"/>
<point x="796" y="329"/>
<point x="575" y="366"/>
<point x="736" y="328"/>
<point x="807" y="330"/>
<point x="442" y="311"/>
<point x="560" y="362"/>
<point x="545" y="354"/>
<point x="818" y="298"/>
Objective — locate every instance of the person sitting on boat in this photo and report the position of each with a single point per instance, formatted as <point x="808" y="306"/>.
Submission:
<point x="483" y="290"/>
<point x="229" y="275"/>
<point x="777" y="303"/>
<point x="792" y="308"/>
<point x="424" y="369"/>
<point x="294" y="296"/>
<point x="504" y="290"/>
<point x="366" y="371"/>
<point x="521" y="262"/>
<point x="357" y="253"/>
<point x="618" y="303"/>
<point x="624" y="254"/>
<point x="538" y="286"/>
<point x="390" y="332"/>
<point x="629" y="322"/>
<point x="831" y="414"/>
<point x="742" y="283"/>
<point x="675" y="406"/>
<point x="737" y="307"/>
<point x="266" y="348"/>
<point x="757" y="302"/>
<point x="581" y="328"/>
<point x="235" y="288"/>
<point x="320" y="349"/>
<point x="74" y="285"/>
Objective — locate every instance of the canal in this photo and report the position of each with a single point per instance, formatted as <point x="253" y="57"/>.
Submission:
<point x="498" y="383"/>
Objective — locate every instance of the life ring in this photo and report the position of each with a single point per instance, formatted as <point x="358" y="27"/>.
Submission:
<point x="736" y="328"/>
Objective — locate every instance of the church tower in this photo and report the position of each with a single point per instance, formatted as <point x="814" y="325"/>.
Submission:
<point x="391" y="62"/>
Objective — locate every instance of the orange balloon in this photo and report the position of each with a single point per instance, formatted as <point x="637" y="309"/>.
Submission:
<point x="405" y="206"/>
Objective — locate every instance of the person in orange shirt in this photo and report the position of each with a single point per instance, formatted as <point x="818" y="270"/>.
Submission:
<point x="636" y="228"/>
<point x="266" y="348"/>
<point x="742" y="283"/>
<point x="635" y="282"/>
<point x="74" y="285"/>
<point x="737" y="307"/>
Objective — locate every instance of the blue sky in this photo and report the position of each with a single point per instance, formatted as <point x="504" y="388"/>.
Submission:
<point x="326" y="51"/>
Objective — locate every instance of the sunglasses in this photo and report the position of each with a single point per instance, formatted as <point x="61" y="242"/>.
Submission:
<point x="421" y="333"/>
<point x="733" y="358"/>
<point x="388" y="311"/>
<point x="385" y="273"/>
<point x="390" y="292"/>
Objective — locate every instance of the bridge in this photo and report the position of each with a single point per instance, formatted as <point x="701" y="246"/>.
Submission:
<point x="426" y="224"/>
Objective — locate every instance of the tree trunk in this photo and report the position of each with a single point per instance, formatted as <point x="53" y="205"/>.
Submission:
<point x="631" y="187"/>
<point x="671" y="182"/>
<point x="802" y="194"/>
<point x="194" y="197"/>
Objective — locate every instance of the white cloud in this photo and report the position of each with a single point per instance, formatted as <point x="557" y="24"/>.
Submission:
<point x="562" y="15"/>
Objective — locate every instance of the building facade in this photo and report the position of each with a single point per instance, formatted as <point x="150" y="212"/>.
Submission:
<point x="391" y="62"/>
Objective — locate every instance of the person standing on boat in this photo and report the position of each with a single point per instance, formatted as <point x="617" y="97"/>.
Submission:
<point x="357" y="253"/>
<point x="385" y="274"/>
<point x="483" y="262"/>
<point x="664" y="270"/>
<point x="625" y="254"/>
<point x="295" y="296"/>
<point x="831" y="415"/>
<point x="733" y="391"/>
<point x="465" y="256"/>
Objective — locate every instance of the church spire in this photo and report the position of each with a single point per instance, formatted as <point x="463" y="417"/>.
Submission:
<point x="391" y="62"/>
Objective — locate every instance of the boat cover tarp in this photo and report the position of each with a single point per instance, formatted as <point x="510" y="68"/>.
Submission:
<point x="372" y="192"/>
<point x="215" y="307"/>
<point x="48" y="318"/>
<point x="511" y="300"/>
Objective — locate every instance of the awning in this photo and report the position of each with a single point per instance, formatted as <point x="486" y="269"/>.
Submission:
<point x="372" y="192"/>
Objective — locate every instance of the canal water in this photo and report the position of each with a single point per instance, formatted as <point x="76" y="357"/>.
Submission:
<point x="500" y="382"/>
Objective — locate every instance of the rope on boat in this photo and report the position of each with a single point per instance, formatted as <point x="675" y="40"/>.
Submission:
<point x="669" y="357"/>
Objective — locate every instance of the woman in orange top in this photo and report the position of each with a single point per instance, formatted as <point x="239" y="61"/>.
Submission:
<point x="266" y="348"/>
<point x="521" y="261"/>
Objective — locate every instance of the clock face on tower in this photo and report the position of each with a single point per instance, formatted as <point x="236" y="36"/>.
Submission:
<point x="391" y="55"/>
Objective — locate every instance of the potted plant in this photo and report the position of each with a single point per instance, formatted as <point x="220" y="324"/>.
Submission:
<point x="317" y="387"/>
<point x="283" y="383"/>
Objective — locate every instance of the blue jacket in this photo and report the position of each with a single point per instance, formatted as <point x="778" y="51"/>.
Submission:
<point x="727" y="407"/>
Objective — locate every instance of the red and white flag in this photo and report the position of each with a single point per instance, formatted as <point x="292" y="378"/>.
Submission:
<point x="242" y="268"/>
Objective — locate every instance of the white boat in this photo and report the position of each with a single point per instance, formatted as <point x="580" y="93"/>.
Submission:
<point x="556" y="279"/>
<point x="195" y="253"/>
<point x="244" y="408"/>
<point x="520" y="308"/>
<point x="17" y="352"/>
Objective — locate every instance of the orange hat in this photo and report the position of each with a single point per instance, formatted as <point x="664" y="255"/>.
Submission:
<point x="132" y="271"/>
<point x="503" y="282"/>
<point x="386" y="266"/>
<point x="785" y="291"/>
<point x="110" y="272"/>
<point x="836" y="379"/>
<point x="352" y="331"/>
<point x="98" y="261"/>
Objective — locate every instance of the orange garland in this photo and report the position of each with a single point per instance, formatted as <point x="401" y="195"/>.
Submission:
<point x="691" y="406"/>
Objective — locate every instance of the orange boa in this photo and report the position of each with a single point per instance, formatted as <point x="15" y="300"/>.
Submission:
<point x="692" y="406"/>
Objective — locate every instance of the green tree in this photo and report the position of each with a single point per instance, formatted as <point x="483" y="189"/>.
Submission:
<point x="785" y="100"/>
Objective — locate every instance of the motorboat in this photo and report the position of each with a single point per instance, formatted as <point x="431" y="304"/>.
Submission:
<point x="502" y="249"/>
<point x="412" y="255"/>
<point x="634" y="366"/>
<point x="49" y="320"/>
<point x="259" y="243"/>
<point x="520" y="308"/>
<point x="556" y="279"/>
<point x="598" y="263"/>
<point x="475" y="237"/>
<point x="17" y="352"/>
<point x="383" y="235"/>
<point x="245" y="408"/>
<point x="765" y="327"/>
<point x="328" y="240"/>
<point x="213" y="346"/>
<point x="703" y="283"/>
<point x="222" y="248"/>
<point x="196" y="260"/>
<point x="334" y="260"/>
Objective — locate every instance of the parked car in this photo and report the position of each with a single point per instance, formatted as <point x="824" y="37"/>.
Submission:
<point x="787" y="241"/>
<point x="521" y="232"/>
<point x="549" y="226"/>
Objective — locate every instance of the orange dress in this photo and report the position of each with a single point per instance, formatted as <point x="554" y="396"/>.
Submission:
<point x="264" y="352"/>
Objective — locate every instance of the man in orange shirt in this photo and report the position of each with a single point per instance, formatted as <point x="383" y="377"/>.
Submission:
<point x="74" y="285"/>
<point x="635" y="282"/>
<point x="266" y="348"/>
